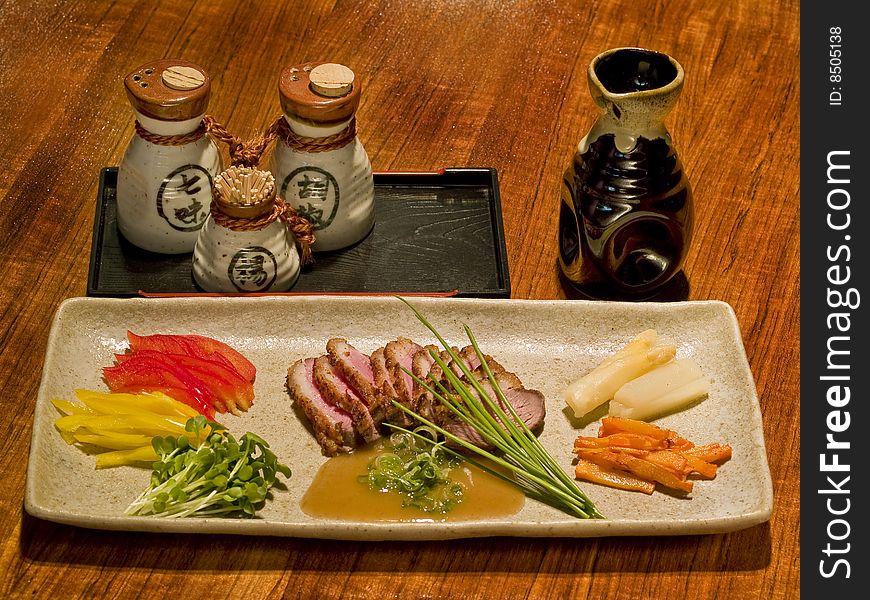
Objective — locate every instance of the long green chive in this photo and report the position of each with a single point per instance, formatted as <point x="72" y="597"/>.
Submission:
<point x="538" y="475"/>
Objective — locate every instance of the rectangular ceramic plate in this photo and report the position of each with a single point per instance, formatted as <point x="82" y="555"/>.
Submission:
<point x="547" y="343"/>
<point x="434" y="232"/>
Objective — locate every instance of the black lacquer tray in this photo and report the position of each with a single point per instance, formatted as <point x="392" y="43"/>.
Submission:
<point x="438" y="233"/>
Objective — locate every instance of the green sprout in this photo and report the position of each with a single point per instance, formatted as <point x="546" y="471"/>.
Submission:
<point x="221" y="476"/>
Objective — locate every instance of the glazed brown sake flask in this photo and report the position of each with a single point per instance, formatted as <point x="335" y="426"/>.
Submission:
<point x="626" y="215"/>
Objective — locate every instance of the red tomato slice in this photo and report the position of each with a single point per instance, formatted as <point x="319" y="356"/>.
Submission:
<point x="144" y="373"/>
<point x="194" y="345"/>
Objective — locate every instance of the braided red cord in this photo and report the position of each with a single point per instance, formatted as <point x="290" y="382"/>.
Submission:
<point x="302" y="229"/>
<point x="309" y="144"/>
<point x="171" y="140"/>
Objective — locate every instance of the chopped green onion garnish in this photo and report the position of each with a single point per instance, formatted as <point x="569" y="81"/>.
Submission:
<point x="417" y="467"/>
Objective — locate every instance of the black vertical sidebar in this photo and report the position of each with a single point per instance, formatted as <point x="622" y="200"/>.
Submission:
<point x="835" y="299"/>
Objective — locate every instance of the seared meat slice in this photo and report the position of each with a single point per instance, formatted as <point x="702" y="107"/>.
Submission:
<point x="528" y="404"/>
<point x="435" y="371"/>
<point x="347" y="395"/>
<point x="469" y="356"/>
<point x="506" y="379"/>
<point x="383" y="384"/>
<point x="333" y="426"/>
<point x="336" y="389"/>
<point x="421" y="364"/>
<point x="469" y="359"/>
<point x="356" y="368"/>
<point x="399" y="355"/>
<point x="473" y="363"/>
<point x="427" y="405"/>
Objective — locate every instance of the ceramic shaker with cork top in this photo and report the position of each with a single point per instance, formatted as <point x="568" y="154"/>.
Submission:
<point x="166" y="175"/>
<point x="245" y="245"/>
<point x="319" y="164"/>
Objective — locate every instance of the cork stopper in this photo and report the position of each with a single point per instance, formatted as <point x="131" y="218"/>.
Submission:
<point x="169" y="90"/>
<point x="244" y="192"/>
<point x="183" y="78"/>
<point x="331" y="80"/>
<point x="319" y="92"/>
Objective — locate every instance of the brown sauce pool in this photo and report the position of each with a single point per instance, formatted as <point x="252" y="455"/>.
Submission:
<point x="336" y="493"/>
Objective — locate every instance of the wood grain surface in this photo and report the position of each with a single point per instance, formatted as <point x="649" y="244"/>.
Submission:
<point x="485" y="83"/>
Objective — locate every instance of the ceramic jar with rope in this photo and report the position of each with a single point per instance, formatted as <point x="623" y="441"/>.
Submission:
<point x="320" y="166"/>
<point x="248" y="242"/>
<point x="168" y="169"/>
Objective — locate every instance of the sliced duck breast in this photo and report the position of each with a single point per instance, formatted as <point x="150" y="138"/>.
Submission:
<point x="469" y="356"/>
<point x="435" y="371"/>
<point x="346" y="394"/>
<point x="356" y="368"/>
<point x="336" y="389"/>
<point x="528" y="404"/>
<point x="471" y="360"/>
<point x="399" y="356"/>
<point x="421" y="365"/>
<point x="332" y="425"/>
<point x="385" y="392"/>
<point x="506" y="379"/>
<point x="426" y="400"/>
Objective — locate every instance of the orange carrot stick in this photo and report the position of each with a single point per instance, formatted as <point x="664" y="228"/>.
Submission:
<point x="671" y="460"/>
<point x="590" y="471"/>
<point x="703" y="468"/>
<point x="651" y="471"/>
<point x="710" y="452"/>
<point x="624" y="440"/>
<point x="612" y="425"/>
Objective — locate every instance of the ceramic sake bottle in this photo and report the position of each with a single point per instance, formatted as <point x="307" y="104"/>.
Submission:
<point x="166" y="174"/>
<point x="245" y="245"/>
<point x="626" y="216"/>
<point x="320" y="167"/>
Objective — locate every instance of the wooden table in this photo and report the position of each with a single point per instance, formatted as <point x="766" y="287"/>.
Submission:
<point x="494" y="83"/>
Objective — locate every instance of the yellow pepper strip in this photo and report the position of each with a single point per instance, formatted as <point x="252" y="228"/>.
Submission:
<point x="67" y="437"/>
<point x="163" y="404"/>
<point x="71" y="408"/>
<point x="113" y="441"/>
<point x="144" y="423"/>
<point x="117" y="458"/>
<point x="116" y="403"/>
<point x="124" y="424"/>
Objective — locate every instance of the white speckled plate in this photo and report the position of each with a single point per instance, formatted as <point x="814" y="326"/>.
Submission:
<point x="548" y="343"/>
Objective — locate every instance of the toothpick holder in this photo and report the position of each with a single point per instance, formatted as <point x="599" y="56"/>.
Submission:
<point x="245" y="245"/>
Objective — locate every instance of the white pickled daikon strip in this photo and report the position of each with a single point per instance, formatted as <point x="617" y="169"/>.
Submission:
<point x="599" y="385"/>
<point x="662" y="390"/>
<point x="643" y="341"/>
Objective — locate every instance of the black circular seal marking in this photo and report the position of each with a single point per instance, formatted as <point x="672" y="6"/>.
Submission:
<point x="314" y="193"/>
<point x="184" y="197"/>
<point x="253" y="269"/>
